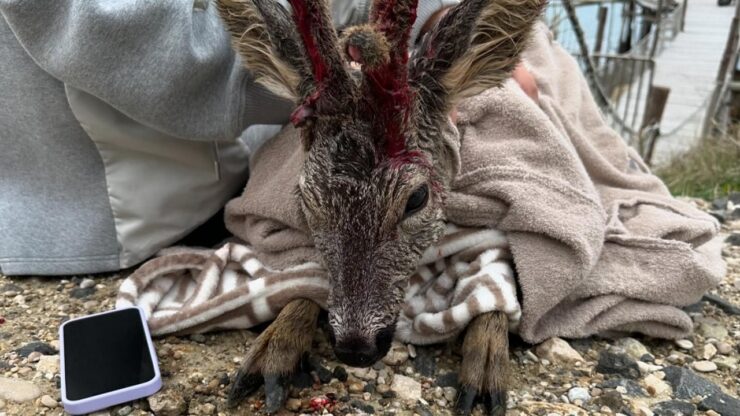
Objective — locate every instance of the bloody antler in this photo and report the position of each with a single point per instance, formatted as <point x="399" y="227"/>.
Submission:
<point x="388" y="81"/>
<point x="322" y="51"/>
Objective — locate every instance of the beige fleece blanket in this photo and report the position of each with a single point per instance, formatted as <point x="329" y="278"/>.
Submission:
<point x="186" y="290"/>
<point x="598" y="243"/>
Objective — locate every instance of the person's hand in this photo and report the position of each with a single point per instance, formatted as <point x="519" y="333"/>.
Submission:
<point x="526" y="81"/>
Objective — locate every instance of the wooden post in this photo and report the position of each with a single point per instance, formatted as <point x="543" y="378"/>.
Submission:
<point x="649" y="132"/>
<point x="603" y="11"/>
<point x="728" y="57"/>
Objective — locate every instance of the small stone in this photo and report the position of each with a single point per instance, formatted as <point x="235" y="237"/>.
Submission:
<point x="674" y="408"/>
<point x="656" y="387"/>
<point x="721" y="403"/>
<point x="48" y="401"/>
<point x="611" y="399"/>
<point x="687" y="384"/>
<point x="684" y="344"/>
<point x="726" y="363"/>
<point x="293" y="405"/>
<point x="86" y="283"/>
<point x="167" y="402"/>
<point x="382" y="388"/>
<point x="617" y="363"/>
<point x="397" y="355"/>
<point x="15" y="390"/>
<point x="646" y="368"/>
<point x="356" y="388"/>
<point x="450" y="393"/>
<point x="724" y="348"/>
<point x="80" y="293"/>
<point x="406" y="387"/>
<point x="48" y="364"/>
<point x="709" y="351"/>
<point x="340" y="373"/>
<point x="704" y="366"/>
<point x="711" y="328"/>
<point x="366" y="374"/>
<point x="641" y="410"/>
<point x="624" y="386"/>
<point x="199" y="338"/>
<point x="558" y="350"/>
<point x="733" y="239"/>
<point x="36" y="346"/>
<point x="124" y="411"/>
<point x="34" y="357"/>
<point x="579" y="393"/>
<point x="633" y="347"/>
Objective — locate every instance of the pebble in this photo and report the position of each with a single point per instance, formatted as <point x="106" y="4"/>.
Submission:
<point x="558" y="350"/>
<point x="86" y="283"/>
<point x="646" y="368"/>
<point x="397" y="355"/>
<point x="721" y="403"/>
<point x="293" y="405"/>
<point x="80" y="293"/>
<point x="687" y="384"/>
<point x="674" y="408"/>
<point x="366" y="374"/>
<point x="579" y="393"/>
<point x="632" y="347"/>
<point x="406" y="387"/>
<point x="642" y="410"/>
<point x="48" y="364"/>
<point x="34" y="357"/>
<point x="15" y="390"/>
<point x="36" y="346"/>
<point x="124" y="411"/>
<point x="684" y="344"/>
<point x="709" y="351"/>
<point x="655" y="386"/>
<point x="450" y="393"/>
<point x="356" y="387"/>
<point x="48" y="401"/>
<point x="704" y="366"/>
<point x="711" y="328"/>
<point x="726" y="363"/>
<point x="340" y="373"/>
<point x="724" y="348"/>
<point x="167" y="402"/>
<point x="611" y="362"/>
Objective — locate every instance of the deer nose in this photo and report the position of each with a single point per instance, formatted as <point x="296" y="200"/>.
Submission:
<point x="356" y="351"/>
<point x="359" y="351"/>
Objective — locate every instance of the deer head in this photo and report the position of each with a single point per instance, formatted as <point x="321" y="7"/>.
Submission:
<point x="381" y="149"/>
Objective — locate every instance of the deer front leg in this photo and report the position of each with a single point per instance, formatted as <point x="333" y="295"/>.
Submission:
<point x="275" y="355"/>
<point x="485" y="364"/>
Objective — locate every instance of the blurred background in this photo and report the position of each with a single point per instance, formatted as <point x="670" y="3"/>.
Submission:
<point x="665" y="73"/>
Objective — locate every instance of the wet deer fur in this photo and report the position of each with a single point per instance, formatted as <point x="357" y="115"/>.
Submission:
<point x="380" y="148"/>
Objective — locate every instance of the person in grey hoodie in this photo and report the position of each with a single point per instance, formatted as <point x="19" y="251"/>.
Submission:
<point x="119" y="126"/>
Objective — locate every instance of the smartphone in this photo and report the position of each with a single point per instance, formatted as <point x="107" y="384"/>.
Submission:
<point x="106" y="359"/>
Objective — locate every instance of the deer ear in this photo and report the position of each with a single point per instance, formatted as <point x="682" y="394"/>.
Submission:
<point x="474" y="47"/>
<point x="279" y="70"/>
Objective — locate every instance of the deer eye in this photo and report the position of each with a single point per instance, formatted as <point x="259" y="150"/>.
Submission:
<point x="417" y="201"/>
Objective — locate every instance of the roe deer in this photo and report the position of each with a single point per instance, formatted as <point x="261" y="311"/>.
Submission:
<point x="378" y="165"/>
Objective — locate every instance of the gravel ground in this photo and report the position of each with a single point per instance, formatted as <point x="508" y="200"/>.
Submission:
<point x="631" y="376"/>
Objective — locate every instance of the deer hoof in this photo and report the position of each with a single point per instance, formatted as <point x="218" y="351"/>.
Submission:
<point x="494" y="402"/>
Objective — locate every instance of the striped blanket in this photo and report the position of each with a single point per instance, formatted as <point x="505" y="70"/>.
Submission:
<point x="189" y="291"/>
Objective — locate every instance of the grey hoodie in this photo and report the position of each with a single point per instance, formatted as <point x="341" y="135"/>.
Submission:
<point x="118" y="127"/>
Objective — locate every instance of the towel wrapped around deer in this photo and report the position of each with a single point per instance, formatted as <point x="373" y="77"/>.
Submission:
<point x="378" y="209"/>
